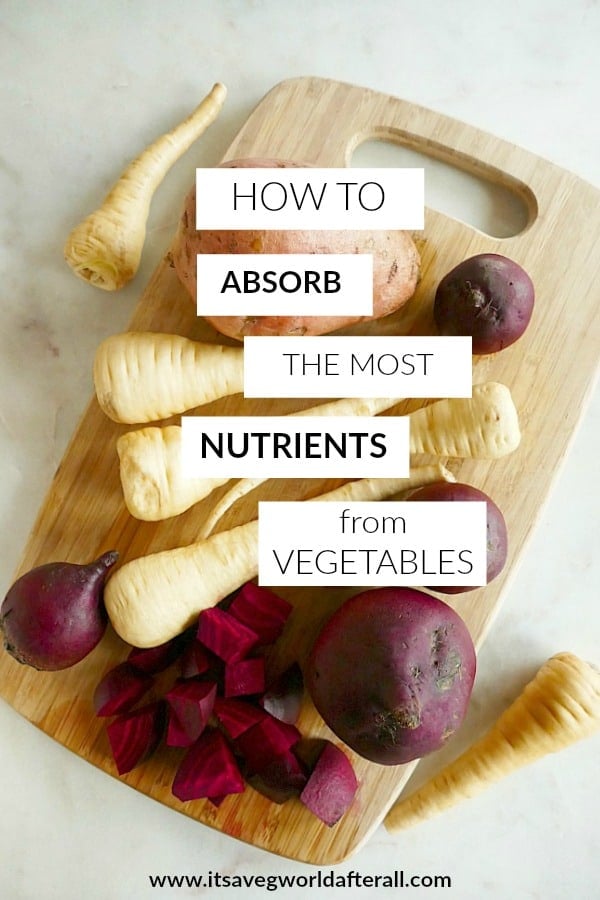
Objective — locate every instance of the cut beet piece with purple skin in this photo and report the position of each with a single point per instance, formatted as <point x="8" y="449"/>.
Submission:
<point x="237" y="716"/>
<point x="157" y="659"/>
<point x="120" y="689"/>
<point x="261" y="610"/>
<point x="208" y="769"/>
<point x="281" y="778"/>
<point x="331" y="787"/>
<point x="283" y="699"/>
<point x="267" y="740"/>
<point x="190" y="707"/>
<point x="245" y="677"/>
<point x="134" y="736"/>
<point x="225" y="635"/>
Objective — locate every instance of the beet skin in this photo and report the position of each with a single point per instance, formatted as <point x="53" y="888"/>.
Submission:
<point x="391" y="673"/>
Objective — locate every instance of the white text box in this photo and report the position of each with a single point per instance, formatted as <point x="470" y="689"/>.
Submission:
<point x="372" y="543"/>
<point x="325" y="366"/>
<point x="294" y="447"/>
<point x="284" y="284"/>
<point x="310" y="198"/>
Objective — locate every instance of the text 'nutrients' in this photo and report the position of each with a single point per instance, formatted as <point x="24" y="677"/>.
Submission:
<point x="294" y="447"/>
<point x="310" y="198"/>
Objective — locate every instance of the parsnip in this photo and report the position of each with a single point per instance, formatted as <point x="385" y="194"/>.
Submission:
<point x="153" y="598"/>
<point x="146" y="376"/>
<point x="483" y="426"/>
<point x="105" y="248"/>
<point x="150" y="464"/>
<point x="561" y="705"/>
<point x="150" y="470"/>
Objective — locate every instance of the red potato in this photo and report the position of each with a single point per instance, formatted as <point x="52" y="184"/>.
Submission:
<point x="396" y="265"/>
<point x="488" y="297"/>
<point x="496" y="534"/>
<point x="391" y="673"/>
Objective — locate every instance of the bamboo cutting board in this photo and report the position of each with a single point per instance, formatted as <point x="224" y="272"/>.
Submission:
<point x="550" y="372"/>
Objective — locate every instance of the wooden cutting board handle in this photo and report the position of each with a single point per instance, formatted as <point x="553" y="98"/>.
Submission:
<point x="361" y="114"/>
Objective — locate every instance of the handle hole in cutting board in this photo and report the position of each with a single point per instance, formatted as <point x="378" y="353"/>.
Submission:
<point x="492" y="208"/>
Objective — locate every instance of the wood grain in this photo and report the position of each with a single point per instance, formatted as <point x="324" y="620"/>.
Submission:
<point x="550" y="372"/>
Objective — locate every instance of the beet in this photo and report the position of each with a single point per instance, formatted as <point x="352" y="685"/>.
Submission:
<point x="134" y="736"/>
<point x="261" y="610"/>
<point x="120" y="689"/>
<point x="488" y="297"/>
<point x="331" y="787"/>
<point x="281" y="778"/>
<point x="225" y="635"/>
<point x="391" y="673"/>
<point x="236" y="716"/>
<point x="283" y="699"/>
<point x="496" y="531"/>
<point x="157" y="659"/>
<point x="208" y="769"/>
<point x="190" y="707"/>
<point x="269" y="739"/>
<point x="245" y="677"/>
<point x="53" y="615"/>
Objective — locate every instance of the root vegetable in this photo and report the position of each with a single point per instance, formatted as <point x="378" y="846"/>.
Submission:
<point x="283" y="698"/>
<point x="53" y="615"/>
<point x="396" y="264"/>
<point x="120" y="689"/>
<point x="153" y="598"/>
<point x="190" y="705"/>
<point x="236" y="716"/>
<point x="135" y="735"/>
<point x="561" y="705"/>
<point x="488" y="297"/>
<point x="484" y="426"/>
<point x="496" y="533"/>
<point x="244" y="677"/>
<point x="260" y="610"/>
<point x="331" y="787"/>
<point x="225" y="635"/>
<point x="105" y="248"/>
<point x="208" y="770"/>
<point x="279" y="779"/>
<point x="150" y="465"/>
<point x="146" y="376"/>
<point x="391" y="673"/>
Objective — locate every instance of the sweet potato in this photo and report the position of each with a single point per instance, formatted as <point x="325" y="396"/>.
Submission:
<point x="395" y="265"/>
<point x="391" y="673"/>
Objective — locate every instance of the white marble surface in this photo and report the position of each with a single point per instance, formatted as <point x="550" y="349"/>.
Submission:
<point x="84" y="85"/>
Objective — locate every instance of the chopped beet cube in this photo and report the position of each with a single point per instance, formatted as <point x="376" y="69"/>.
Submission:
<point x="244" y="677"/>
<point x="190" y="707"/>
<point x="134" y="736"/>
<point x="208" y="769"/>
<point x="195" y="660"/>
<point x="331" y="787"/>
<point x="283" y="699"/>
<point x="280" y="778"/>
<point x="222" y="633"/>
<point x="120" y="689"/>
<point x="157" y="659"/>
<point x="267" y="740"/>
<point x="236" y="716"/>
<point x="261" y="610"/>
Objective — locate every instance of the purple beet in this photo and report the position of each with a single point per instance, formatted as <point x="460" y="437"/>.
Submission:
<point x="53" y="615"/>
